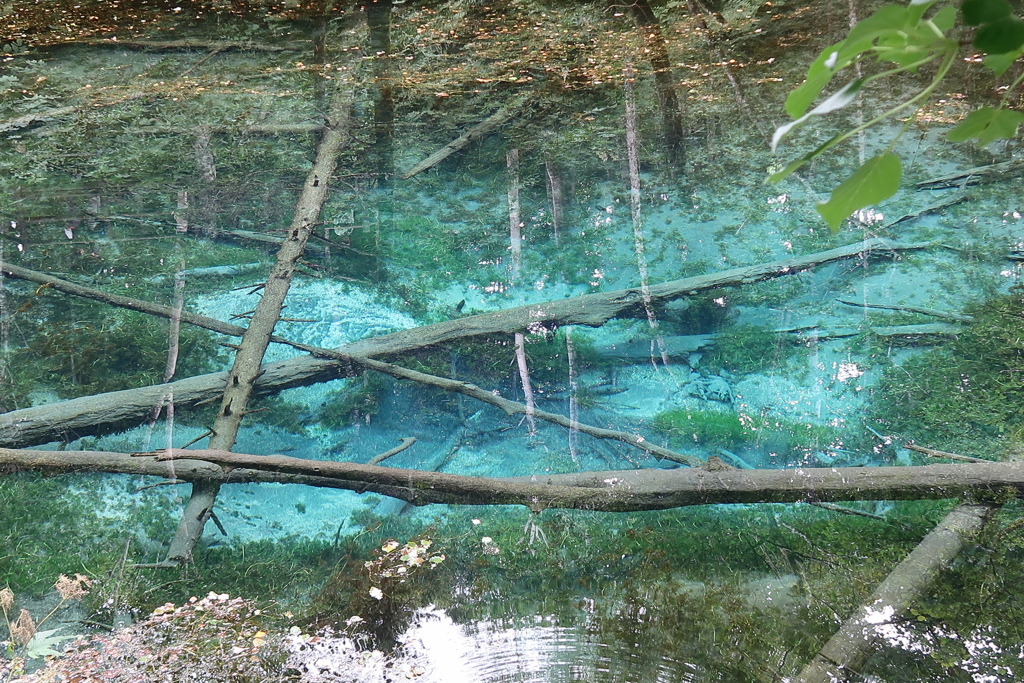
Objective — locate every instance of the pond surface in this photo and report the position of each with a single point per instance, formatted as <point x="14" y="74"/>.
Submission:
<point x="489" y="157"/>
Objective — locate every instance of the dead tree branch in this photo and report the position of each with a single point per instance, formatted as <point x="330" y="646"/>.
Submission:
<point x="475" y="133"/>
<point x="612" y="491"/>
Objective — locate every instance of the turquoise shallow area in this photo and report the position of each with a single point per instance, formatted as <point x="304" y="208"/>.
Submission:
<point x="496" y="159"/>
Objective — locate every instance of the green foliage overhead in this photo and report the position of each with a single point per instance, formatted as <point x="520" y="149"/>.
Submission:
<point x="903" y="38"/>
<point x="877" y="179"/>
<point x="987" y="125"/>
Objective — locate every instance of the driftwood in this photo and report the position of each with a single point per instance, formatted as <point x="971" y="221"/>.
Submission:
<point x="475" y="133"/>
<point x="611" y="491"/>
<point x="351" y="360"/>
<point x="32" y="119"/>
<point x="50" y="114"/>
<point x="104" y="413"/>
<point x="887" y="331"/>
<point x="209" y="271"/>
<point x="931" y="208"/>
<point x="248" y="361"/>
<point x="684" y="345"/>
<point x="848" y="650"/>
<point x="932" y="453"/>
<point x="406" y="442"/>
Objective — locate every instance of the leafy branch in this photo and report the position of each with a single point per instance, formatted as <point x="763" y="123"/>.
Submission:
<point x="910" y="37"/>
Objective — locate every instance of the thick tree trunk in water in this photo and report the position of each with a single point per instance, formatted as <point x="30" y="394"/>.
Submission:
<point x="524" y="379"/>
<point x="249" y="357"/>
<point x="109" y="412"/>
<point x="574" y="404"/>
<point x="846" y="653"/>
<point x="557" y="199"/>
<point x="665" y="82"/>
<point x="378" y="21"/>
<point x="611" y="491"/>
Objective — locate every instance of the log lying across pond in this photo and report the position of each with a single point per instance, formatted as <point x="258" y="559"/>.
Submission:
<point x="105" y="413"/>
<point x="611" y="491"/>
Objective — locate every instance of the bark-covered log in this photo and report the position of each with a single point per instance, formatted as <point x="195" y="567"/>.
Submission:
<point x="104" y="413"/>
<point x="973" y="176"/>
<point x="611" y="491"/>
<point x="846" y="653"/>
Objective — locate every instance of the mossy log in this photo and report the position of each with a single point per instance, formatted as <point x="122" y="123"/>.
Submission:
<point x="973" y="176"/>
<point x="191" y="45"/>
<point x="609" y="491"/>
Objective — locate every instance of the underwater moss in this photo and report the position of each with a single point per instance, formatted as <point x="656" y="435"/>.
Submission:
<point x="745" y="349"/>
<point x="85" y="349"/>
<point x="725" y="429"/>
<point x="967" y="393"/>
<point x="708" y="428"/>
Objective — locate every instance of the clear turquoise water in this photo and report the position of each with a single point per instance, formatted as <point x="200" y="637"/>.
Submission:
<point x="170" y="159"/>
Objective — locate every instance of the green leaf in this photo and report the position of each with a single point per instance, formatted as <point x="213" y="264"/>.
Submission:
<point x="916" y="10"/>
<point x="876" y="180"/>
<point x="887" y="18"/>
<point x="833" y="102"/>
<point x="978" y="12"/>
<point x="987" y="124"/>
<point x="996" y="38"/>
<point x="1001" y="62"/>
<point x="945" y="18"/>
<point x="42" y="644"/>
<point x="801" y="97"/>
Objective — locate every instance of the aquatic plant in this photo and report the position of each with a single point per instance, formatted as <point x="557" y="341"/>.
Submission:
<point x="26" y="639"/>
<point x="967" y="393"/>
<point x="357" y="401"/>
<point x="743" y="349"/>
<point x="707" y="428"/>
<point x="727" y="429"/>
<point x="84" y="348"/>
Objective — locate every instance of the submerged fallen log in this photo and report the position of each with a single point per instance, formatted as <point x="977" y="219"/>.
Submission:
<point x="218" y="45"/>
<point x="683" y="345"/>
<point x="611" y="491"/>
<point x="32" y="119"/>
<point x="846" y="653"/>
<point x="240" y="129"/>
<point x="475" y="133"/>
<point x="934" y="312"/>
<point x="974" y="176"/>
<point x="104" y="413"/>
